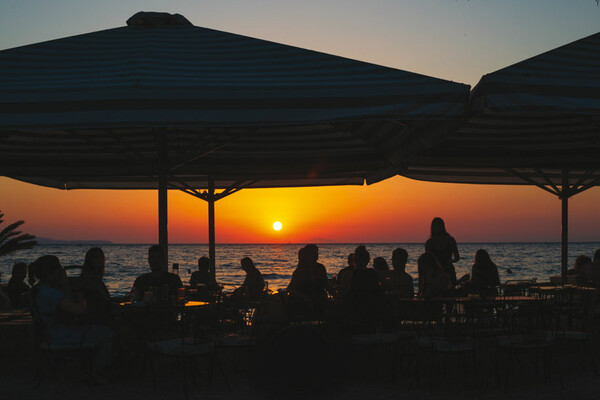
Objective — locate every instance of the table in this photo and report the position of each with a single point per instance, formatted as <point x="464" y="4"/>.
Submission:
<point x="17" y="332"/>
<point x="174" y="306"/>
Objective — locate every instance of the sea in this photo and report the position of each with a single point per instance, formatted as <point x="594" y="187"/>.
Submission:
<point x="124" y="262"/>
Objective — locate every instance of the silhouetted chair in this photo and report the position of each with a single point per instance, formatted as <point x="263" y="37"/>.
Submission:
<point x="531" y="335"/>
<point x="445" y="337"/>
<point x="239" y="327"/>
<point x="577" y="310"/>
<point x="197" y="341"/>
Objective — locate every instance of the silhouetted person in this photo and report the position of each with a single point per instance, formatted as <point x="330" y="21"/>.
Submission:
<point x="444" y="247"/>
<point x="484" y="278"/>
<point x="202" y="276"/>
<point x="159" y="277"/>
<point x="349" y="267"/>
<point x="362" y="295"/>
<point x="592" y="271"/>
<point x="254" y="284"/>
<point x="90" y="283"/>
<point x="384" y="274"/>
<point x="17" y="289"/>
<point x="309" y="284"/>
<point x="579" y="264"/>
<point x="203" y="281"/>
<point x="584" y="270"/>
<point x="55" y="309"/>
<point x="402" y="282"/>
<point x="433" y="280"/>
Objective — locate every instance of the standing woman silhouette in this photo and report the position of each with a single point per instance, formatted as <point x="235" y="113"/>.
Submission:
<point x="444" y="247"/>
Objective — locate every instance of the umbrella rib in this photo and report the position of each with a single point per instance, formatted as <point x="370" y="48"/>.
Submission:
<point x="587" y="174"/>
<point x="531" y="181"/>
<point x="187" y="189"/>
<point x="191" y="157"/>
<point x="235" y="187"/>
<point x="138" y="158"/>
<point x="583" y="188"/>
<point x="203" y="153"/>
<point x="548" y="181"/>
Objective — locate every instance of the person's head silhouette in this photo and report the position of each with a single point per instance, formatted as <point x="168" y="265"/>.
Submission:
<point x="379" y="264"/>
<point x="203" y="264"/>
<point x="399" y="258"/>
<point x="482" y="257"/>
<point x="312" y="252"/>
<point x="156" y="259"/>
<point x="247" y="264"/>
<point x="361" y="257"/>
<point x="19" y="272"/>
<point x="351" y="260"/>
<point x="437" y="226"/>
<point x="94" y="263"/>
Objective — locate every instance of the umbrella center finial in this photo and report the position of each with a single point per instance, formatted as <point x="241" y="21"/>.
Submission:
<point x="146" y="18"/>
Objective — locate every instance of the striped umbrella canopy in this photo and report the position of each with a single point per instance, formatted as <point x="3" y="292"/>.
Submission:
<point x="536" y="122"/>
<point x="162" y="103"/>
<point x="114" y="108"/>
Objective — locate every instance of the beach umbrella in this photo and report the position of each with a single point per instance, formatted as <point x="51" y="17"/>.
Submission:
<point x="161" y="103"/>
<point x="536" y="122"/>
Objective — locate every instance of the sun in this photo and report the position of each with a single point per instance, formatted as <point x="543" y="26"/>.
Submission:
<point x="277" y="225"/>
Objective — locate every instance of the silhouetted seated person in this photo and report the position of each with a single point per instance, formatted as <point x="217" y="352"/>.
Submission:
<point x="484" y="278"/>
<point x="202" y="276"/>
<point x="309" y="285"/>
<point x="361" y="299"/>
<point x="159" y="279"/>
<point x="349" y="267"/>
<point x="402" y="282"/>
<point x="55" y="309"/>
<point x="582" y="269"/>
<point x="202" y="280"/>
<point x="90" y="283"/>
<point x="17" y="290"/>
<point x="384" y="274"/>
<point x="253" y="286"/>
<point x="593" y="271"/>
<point x="433" y="281"/>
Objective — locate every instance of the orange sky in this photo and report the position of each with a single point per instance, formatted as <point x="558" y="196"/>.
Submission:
<point x="395" y="210"/>
<point x="457" y="40"/>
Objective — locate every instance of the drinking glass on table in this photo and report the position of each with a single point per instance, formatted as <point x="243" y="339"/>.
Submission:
<point x="181" y="295"/>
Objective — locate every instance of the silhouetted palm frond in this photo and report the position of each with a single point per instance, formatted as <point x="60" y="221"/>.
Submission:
<point x="12" y="240"/>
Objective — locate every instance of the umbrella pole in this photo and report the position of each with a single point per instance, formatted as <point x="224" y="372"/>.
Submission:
<point x="564" y="226"/>
<point x="163" y="233"/>
<point x="211" y="227"/>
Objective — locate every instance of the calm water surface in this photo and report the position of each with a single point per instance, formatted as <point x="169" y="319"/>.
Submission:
<point x="277" y="261"/>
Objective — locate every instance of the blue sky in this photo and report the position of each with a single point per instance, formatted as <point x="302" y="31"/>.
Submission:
<point x="458" y="40"/>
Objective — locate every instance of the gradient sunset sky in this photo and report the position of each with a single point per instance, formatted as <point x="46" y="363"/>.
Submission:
<point x="457" y="40"/>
